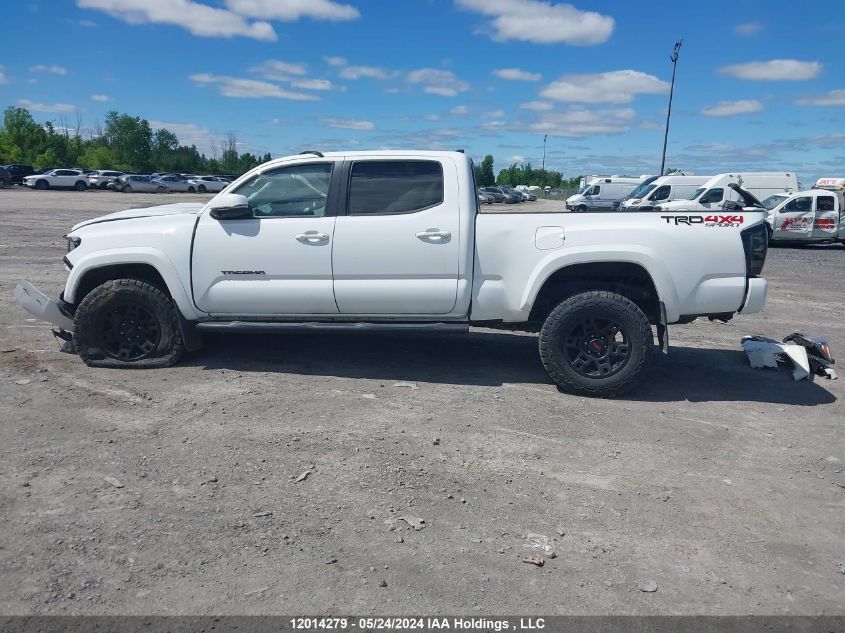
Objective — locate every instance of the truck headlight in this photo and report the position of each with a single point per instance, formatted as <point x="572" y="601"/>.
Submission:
<point x="72" y="242"/>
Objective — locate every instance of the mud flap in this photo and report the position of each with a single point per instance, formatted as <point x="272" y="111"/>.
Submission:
<point x="191" y="337"/>
<point x="663" y="330"/>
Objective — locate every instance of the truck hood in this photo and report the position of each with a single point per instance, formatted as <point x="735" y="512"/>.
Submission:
<point x="177" y="208"/>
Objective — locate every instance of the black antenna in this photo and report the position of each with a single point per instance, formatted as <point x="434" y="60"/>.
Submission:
<point x="674" y="60"/>
<point x="312" y="151"/>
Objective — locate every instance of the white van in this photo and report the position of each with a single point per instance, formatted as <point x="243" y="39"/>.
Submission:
<point x="600" y="193"/>
<point x="712" y="194"/>
<point x="663" y="189"/>
<point x="817" y="215"/>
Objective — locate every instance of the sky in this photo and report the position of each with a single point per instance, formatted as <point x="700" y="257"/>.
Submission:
<point x="760" y="86"/>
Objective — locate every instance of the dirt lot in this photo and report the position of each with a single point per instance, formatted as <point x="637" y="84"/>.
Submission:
<point x="721" y="484"/>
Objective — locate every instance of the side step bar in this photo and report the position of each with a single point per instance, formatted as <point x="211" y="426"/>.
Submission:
<point x="286" y="326"/>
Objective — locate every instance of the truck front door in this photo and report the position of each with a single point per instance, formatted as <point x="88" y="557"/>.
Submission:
<point x="794" y="220"/>
<point x="397" y="246"/>
<point x="279" y="261"/>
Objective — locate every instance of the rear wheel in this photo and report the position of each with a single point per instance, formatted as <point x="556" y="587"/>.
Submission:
<point x="201" y="188"/>
<point x="596" y="343"/>
<point x="192" y="190"/>
<point x="161" y="190"/>
<point x="127" y="189"/>
<point x="127" y="323"/>
<point x="80" y="186"/>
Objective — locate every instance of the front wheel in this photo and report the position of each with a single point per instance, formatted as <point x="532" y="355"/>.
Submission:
<point x="161" y="190"/>
<point x="127" y="323"/>
<point x="581" y="209"/>
<point x="42" y="185"/>
<point x="201" y="188"/>
<point x="596" y="343"/>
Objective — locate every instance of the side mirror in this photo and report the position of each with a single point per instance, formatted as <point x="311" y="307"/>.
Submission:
<point x="229" y="206"/>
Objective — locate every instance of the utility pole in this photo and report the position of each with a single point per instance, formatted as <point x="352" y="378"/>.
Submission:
<point x="674" y="59"/>
<point x="545" y="136"/>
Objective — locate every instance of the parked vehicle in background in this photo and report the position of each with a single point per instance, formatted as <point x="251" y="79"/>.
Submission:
<point x="524" y="193"/>
<point x="485" y="198"/>
<point x="498" y="195"/>
<point x="209" y="183"/>
<point x="137" y="183"/>
<point x="58" y="179"/>
<point x="511" y="196"/>
<point x="175" y="182"/>
<point x="638" y="192"/>
<point x="18" y="172"/>
<point x="600" y="193"/>
<point x="662" y="189"/>
<point x="817" y="215"/>
<point x="5" y="179"/>
<point x="716" y="191"/>
<point x="101" y="179"/>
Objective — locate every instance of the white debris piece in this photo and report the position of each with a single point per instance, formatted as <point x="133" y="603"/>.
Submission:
<point x="765" y="352"/>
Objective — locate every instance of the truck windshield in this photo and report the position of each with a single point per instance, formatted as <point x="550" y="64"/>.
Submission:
<point x="642" y="191"/>
<point x="583" y="189"/>
<point x="772" y="201"/>
<point x="697" y="193"/>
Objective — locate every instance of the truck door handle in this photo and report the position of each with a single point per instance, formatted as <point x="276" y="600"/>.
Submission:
<point x="434" y="235"/>
<point x="312" y="237"/>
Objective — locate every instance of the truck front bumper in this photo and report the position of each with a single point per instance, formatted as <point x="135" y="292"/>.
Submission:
<point x="755" y="296"/>
<point x="41" y="306"/>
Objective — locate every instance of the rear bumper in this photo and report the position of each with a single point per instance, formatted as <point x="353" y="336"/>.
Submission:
<point x="41" y="306"/>
<point x="755" y="296"/>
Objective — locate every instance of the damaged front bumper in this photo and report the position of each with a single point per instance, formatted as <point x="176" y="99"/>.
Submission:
<point x="41" y="306"/>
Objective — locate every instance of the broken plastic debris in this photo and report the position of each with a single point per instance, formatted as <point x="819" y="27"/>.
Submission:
<point x="809" y="355"/>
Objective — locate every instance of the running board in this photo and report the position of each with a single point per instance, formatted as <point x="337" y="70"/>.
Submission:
<point x="289" y="326"/>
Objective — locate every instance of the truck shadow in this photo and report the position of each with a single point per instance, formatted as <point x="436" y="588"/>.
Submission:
<point x="485" y="358"/>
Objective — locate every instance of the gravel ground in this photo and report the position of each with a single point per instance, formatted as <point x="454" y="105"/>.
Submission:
<point x="282" y="474"/>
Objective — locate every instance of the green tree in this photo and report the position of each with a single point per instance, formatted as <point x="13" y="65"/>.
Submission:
<point x="130" y="140"/>
<point x="484" y="176"/>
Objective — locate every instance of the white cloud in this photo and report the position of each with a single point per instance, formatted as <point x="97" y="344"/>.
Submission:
<point x="292" y="10"/>
<point x="348" y="124"/>
<point x="618" y="86"/>
<point x="542" y="22"/>
<point x="774" y="70"/>
<point x="432" y="117"/>
<point x="516" y="158"/>
<point x="248" y="88"/>
<point x="495" y="114"/>
<point x="539" y="106"/>
<point x="748" y="29"/>
<point x="368" y="72"/>
<point x="46" y="107"/>
<point x="516" y="74"/>
<point x="100" y="98"/>
<point x="579" y="122"/>
<point x="335" y="61"/>
<point x="438" y="82"/>
<point x="199" y="19"/>
<point x="732" y="108"/>
<point x="3" y="79"/>
<point x="279" y="70"/>
<point x="312" y="84"/>
<point x="460" y="110"/>
<point x="830" y="98"/>
<point x="52" y="68"/>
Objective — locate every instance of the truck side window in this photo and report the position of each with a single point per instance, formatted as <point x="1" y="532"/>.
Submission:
<point x="714" y="195"/>
<point x="387" y="187"/>
<point x="799" y="204"/>
<point x="824" y="203"/>
<point x="295" y="191"/>
<point x="662" y="193"/>
<point x="594" y="190"/>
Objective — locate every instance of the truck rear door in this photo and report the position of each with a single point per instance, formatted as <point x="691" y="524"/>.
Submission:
<point x="397" y="242"/>
<point x="826" y="220"/>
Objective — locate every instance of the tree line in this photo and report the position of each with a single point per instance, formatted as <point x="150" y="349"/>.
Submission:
<point x="521" y="174"/>
<point x="123" y="143"/>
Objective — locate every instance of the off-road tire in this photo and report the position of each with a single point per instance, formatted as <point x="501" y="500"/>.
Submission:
<point x="95" y="309"/>
<point x="598" y="304"/>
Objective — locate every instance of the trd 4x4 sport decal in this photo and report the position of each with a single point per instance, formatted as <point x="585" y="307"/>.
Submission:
<point x="706" y="220"/>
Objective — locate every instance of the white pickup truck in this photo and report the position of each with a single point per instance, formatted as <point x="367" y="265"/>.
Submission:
<point x="396" y="240"/>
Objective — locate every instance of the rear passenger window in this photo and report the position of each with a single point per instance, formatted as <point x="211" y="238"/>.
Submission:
<point x="387" y="187"/>
<point x="824" y="203"/>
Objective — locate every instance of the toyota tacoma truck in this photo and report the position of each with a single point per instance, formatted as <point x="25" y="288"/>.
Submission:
<point x="395" y="240"/>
